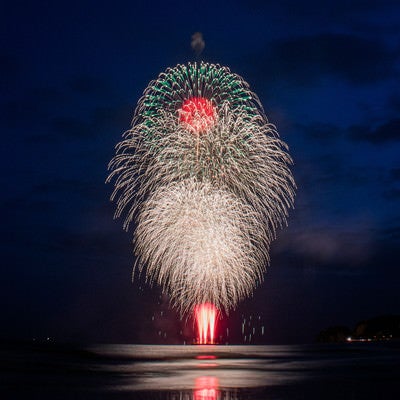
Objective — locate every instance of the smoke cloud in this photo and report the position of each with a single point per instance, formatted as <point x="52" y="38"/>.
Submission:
<point x="198" y="43"/>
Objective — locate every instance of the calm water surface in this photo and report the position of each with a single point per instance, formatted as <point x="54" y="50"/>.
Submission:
<point x="353" y="371"/>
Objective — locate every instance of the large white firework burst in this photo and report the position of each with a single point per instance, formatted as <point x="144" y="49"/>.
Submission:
<point x="206" y="254"/>
<point x="206" y="180"/>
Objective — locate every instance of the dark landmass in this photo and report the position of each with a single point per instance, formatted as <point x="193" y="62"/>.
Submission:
<point x="381" y="328"/>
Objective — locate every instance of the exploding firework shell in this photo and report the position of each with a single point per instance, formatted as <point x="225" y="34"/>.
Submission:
<point x="207" y="180"/>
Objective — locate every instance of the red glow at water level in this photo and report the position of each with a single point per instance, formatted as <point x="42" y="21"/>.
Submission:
<point x="206" y="315"/>
<point x="197" y="114"/>
<point x="206" y="388"/>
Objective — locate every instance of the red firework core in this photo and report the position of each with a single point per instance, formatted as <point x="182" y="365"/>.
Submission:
<point x="206" y="315"/>
<point x="197" y="114"/>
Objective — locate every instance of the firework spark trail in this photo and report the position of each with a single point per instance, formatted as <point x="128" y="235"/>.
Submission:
<point x="207" y="181"/>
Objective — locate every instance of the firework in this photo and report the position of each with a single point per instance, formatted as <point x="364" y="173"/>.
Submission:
<point x="206" y="180"/>
<point x="190" y="244"/>
<point x="206" y="316"/>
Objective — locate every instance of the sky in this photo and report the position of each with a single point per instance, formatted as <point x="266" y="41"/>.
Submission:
<point x="71" y="73"/>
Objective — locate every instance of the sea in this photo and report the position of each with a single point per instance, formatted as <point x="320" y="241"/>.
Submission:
<point x="341" y="372"/>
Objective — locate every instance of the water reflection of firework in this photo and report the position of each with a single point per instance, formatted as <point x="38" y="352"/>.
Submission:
<point x="206" y="179"/>
<point x="206" y="388"/>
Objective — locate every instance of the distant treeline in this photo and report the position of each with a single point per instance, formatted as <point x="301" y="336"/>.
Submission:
<point x="385" y="327"/>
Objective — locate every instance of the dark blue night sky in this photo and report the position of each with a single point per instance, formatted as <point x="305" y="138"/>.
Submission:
<point x="327" y="73"/>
